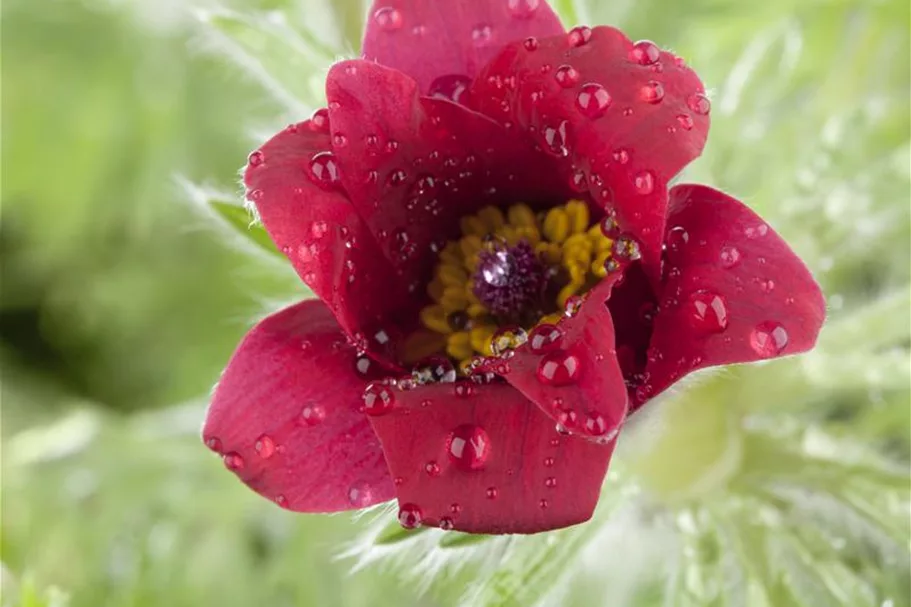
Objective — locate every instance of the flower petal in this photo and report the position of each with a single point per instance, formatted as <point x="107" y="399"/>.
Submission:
<point x="413" y="166"/>
<point x="440" y="44"/>
<point x="734" y="291"/>
<point x="577" y="381"/>
<point x="309" y="218"/>
<point x="285" y="416"/>
<point x="627" y="117"/>
<point x="483" y="459"/>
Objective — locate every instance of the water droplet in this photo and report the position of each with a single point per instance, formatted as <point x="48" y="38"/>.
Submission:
<point x="255" y="159"/>
<point x="319" y="120"/>
<point x="214" y="444"/>
<point x="455" y="508"/>
<point x="378" y="398"/>
<point x="522" y="9"/>
<point x="468" y="447"/>
<point x="549" y="462"/>
<point x="324" y="170"/>
<point x="492" y="493"/>
<point x="573" y="305"/>
<point x="530" y="44"/>
<point x="482" y="35"/>
<point x="410" y="516"/>
<point x="555" y="139"/>
<point x="756" y="231"/>
<point x="566" y="76"/>
<point x="388" y="18"/>
<point x="264" y="446"/>
<point x="644" y="182"/>
<point x="579" y="35"/>
<point x="578" y="181"/>
<point x="543" y="504"/>
<point x="652" y="92"/>
<point x="432" y="468"/>
<point x="647" y="313"/>
<point x="621" y="156"/>
<point x="685" y="121"/>
<point x="446" y="523"/>
<point x="453" y="87"/>
<point x="233" y="461"/>
<point x="397" y="177"/>
<point x="545" y="338"/>
<point x="434" y="369"/>
<point x="593" y="100"/>
<point x="339" y="140"/>
<point x="281" y="500"/>
<point x="595" y="424"/>
<point x="559" y="368"/>
<point x="699" y="104"/>
<point x="730" y="257"/>
<point x="645" y="52"/>
<point x="769" y="339"/>
<point x="312" y="414"/>
<point x="398" y="481"/>
<point x="709" y="312"/>
<point x="550" y="482"/>
<point x="363" y="365"/>
<point x="463" y="389"/>
<point x="360" y="495"/>
<point x="626" y="247"/>
<point x="677" y="237"/>
<point x="506" y="339"/>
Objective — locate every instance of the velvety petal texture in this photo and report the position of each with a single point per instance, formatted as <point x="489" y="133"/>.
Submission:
<point x="285" y="416"/>
<point x="293" y="182"/>
<point x="483" y="459"/>
<point x="734" y="291"/>
<point x="574" y="377"/>
<point x="413" y="166"/>
<point x="443" y="43"/>
<point x="623" y="118"/>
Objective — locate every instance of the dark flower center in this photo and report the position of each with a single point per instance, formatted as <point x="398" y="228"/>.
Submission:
<point x="509" y="281"/>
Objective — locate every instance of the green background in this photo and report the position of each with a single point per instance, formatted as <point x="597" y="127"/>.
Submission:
<point x="124" y="291"/>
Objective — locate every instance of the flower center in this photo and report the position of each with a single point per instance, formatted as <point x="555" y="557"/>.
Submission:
<point x="509" y="272"/>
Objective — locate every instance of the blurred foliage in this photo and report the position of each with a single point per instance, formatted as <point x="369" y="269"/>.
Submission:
<point x="126" y="283"/>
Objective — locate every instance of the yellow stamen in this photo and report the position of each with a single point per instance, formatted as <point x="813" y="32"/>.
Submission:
<point x="563" y="239"/>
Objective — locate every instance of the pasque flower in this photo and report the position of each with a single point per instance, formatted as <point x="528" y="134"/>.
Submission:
<point x="504" y="273"/>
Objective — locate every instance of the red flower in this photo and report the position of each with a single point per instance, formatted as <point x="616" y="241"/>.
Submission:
<point x="457" y="110"/>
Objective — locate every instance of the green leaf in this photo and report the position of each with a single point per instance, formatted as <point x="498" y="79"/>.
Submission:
<point x="243" y="223"/>
<point x="394" y="533"/>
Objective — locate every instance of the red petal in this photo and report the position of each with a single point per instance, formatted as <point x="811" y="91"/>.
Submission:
<point x="577" y="382"/>
<point x="483" y="459"/>
<point x="428" y="40"/>
<point x="284" y="416"/>
<point x="633" y="307"/>
<point x="628" y="117"/>
<point x="734" y="292"/>
<point x="313" y="223"/>
<point x="413" y="166"/>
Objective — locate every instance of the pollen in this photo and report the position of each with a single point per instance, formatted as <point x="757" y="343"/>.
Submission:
<point x="512" y="269"/>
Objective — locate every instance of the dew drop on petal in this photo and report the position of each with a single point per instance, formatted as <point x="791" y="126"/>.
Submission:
<point x="699" y="104"/>
<point x="621" y="156"/>
<point x="645" y="52"/>
<point x="545" y="338"/>
<point x="768" y="339"/>
<point x="573" y="305"/>
<point x="579" y="35"/>
<point x="530" y="44"/>
<point x="566" y="76"/>
<point x="453" y="87"/>
<point x="319" y="120"/>
<point x="312" y="414"/>
<point x="593" y="100"/>
<point x="360" y="494"/>
<point x="446" y="523"/>
<point x="685" y="121"/>
<point x="644" y="182"/>
<point x="652" y="92"/>
<point x="214" y="444"/>
<point x="233" y="461"/>
<point x="482" y="35"/>
<point x="676" y="238"/>
<point x="264" y="446"/>
<point x="550" y="482"/>
<point x="324" y="170"/>
<point x="708" y="312"/>
<point x="410" y="516"/>
<point x="378" y="398"/>
<point x="549" y="462"/>
<point x="255" y="159"/>
<point x="729" y="257"/>
<point x="559" y="368"/>
<point x="522" y="9"/>
<point x="432" y="469"/>
<point x="388" y="18"/>
<point x="468" y="447"/>
<point x="492" y="493"/>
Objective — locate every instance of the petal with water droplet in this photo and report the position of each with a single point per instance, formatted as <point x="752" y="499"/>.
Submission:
<point x="287" y="417"/>
<point x="426" y="40"/>
<point x="715" y="312"/>
<point x="644" y="107"/>
<point x="494" y="454"/>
